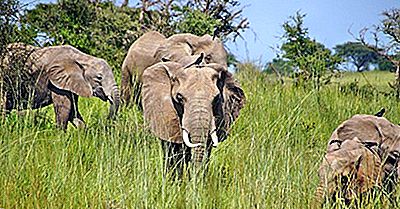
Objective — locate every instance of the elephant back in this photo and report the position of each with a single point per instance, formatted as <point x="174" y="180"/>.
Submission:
<point x="141" y="53"/>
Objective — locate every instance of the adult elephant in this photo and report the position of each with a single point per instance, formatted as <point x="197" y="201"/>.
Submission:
<point x="153" y="47"/>
<point x="60" y="74"/>
<point x="190" y="108"/>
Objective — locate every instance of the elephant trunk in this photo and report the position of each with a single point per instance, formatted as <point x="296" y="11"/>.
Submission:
<point x="112" y="93"/>
<point x="199" y="127"/>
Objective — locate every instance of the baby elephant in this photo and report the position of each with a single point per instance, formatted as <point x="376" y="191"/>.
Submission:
<point x="362" y="154"/>
<point x="57" y="75"/>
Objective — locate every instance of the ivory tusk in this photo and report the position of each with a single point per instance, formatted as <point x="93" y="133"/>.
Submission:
<point x="186" y="140"/>
<point x="110" y="99"/>
<point x="214" y="138"/>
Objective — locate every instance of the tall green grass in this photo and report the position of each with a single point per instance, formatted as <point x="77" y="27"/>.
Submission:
<point x="270" y="159"/>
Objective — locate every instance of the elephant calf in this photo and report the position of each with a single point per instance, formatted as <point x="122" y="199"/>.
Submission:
<point x="60" y="74"/>
<point x="362" y="154"/>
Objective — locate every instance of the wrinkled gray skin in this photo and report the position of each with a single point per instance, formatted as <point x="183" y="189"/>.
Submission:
<point x="62" y="74"/>
<point x="357" y="139"/>
<point x="200" y="100"/>
<point x="152" y="47"/>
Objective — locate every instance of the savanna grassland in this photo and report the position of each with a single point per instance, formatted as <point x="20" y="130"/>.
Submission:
<point x="270" y="159"/>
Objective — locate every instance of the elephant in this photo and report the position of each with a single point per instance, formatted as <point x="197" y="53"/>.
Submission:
<point x="60" y="74"/>
<point x="153" y="47"/>
<point x="363" y="150"/>
<point x="190" y="108"/>
<point x="349" y="172"/>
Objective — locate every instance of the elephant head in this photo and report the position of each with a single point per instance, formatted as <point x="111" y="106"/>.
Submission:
<point x="193" y="105"/>
<point x="87" y="78"/>
<point x="349" y="171"/>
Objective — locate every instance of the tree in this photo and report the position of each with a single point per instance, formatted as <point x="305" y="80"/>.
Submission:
<point x="390" y="49"/>
<point x="309" y="58"/>
<point x="357" y="54"/>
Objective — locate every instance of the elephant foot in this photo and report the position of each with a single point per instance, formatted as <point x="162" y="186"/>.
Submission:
<point x="78" y="123"/>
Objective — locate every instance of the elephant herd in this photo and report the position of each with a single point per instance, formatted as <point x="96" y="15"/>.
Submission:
<point x="190" y="100"/>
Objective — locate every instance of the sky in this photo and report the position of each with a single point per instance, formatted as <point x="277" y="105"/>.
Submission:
<point x="328" y="22"/>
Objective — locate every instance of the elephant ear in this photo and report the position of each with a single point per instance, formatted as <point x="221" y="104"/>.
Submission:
<point x="158" y="107"/>
<point x="67" y="74"/>
<point x="233" y="98"/>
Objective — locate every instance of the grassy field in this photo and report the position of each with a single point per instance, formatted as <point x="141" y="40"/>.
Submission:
<point x="270" y="159"/>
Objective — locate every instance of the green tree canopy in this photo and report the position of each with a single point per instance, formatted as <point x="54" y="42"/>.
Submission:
<point x="309" y="58"/>
<point x="357" y="54"/>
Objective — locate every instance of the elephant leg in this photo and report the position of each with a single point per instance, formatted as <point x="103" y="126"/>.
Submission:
<point x="62" y="109"/>
<point x="75" y="116"/>
<point x="176" y="156"/>
<point x="126" y="86"/>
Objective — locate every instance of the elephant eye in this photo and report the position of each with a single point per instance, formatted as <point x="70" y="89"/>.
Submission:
<point x="208" y="58"/>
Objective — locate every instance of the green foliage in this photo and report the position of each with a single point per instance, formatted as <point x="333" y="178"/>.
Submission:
<point x="225" y="16"/>
<point x="310" y="59"/>
<point x="196" y="22"/>
<point x="357" y="54"/>
<point x="10" y="29"/>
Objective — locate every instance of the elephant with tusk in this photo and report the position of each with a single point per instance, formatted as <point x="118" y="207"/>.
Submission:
<point x="152" y="47"/>
<point x="190" y="108"/>
<point x="60" y="74"/>
<point x="363" y="153"/>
